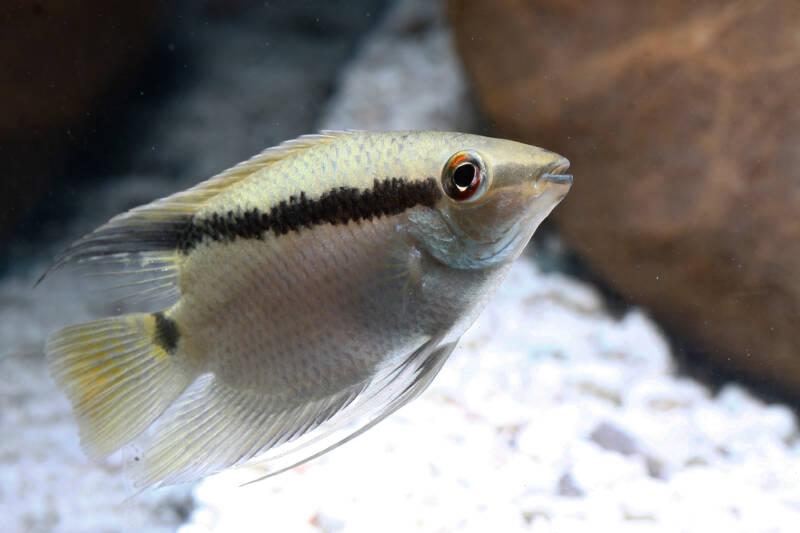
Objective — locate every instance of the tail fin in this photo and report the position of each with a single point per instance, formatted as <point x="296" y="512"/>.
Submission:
<point x="119" y="375"/>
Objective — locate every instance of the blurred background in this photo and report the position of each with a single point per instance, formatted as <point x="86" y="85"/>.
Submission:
<point x="641" y="369"/>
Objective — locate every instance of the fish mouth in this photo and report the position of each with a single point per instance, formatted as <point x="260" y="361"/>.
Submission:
<point x="554" y="173"/>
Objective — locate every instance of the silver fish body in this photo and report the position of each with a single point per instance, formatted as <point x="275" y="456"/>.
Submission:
<point x="314" y="290"/>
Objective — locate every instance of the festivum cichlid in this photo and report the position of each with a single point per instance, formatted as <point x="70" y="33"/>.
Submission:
<point x="311" y="292"/>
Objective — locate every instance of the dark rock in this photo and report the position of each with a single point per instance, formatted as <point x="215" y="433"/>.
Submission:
<point x="614" y="439"/>
<point x="682" y="125"/>
<point x="655" y="467"/>
<point x="568" y="488"/>
<point x="60" y="61"/>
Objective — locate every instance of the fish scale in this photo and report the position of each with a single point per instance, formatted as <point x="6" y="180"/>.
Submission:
<point x="312" y="291"/>
<point x="341" y="274"/>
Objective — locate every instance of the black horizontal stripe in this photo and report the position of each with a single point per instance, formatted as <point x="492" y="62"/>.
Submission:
<point x="337" y="206"/>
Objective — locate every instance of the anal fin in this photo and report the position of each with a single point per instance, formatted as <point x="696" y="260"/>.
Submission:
<point x="381" y="399"/>
<point x="214" y="426"/>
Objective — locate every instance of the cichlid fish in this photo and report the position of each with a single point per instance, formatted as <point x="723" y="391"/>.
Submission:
<point x="312" y="291"/>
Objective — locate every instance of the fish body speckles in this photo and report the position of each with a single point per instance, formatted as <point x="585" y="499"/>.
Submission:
<point x="313" y="290"/>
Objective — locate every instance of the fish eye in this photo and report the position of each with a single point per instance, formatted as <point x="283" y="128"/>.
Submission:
<point x="463" y="175"/>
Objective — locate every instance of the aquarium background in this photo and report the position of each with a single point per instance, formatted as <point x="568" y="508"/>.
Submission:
<point x="571" y="405"/>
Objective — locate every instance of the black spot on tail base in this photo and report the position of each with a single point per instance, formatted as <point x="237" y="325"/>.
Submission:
<point x="337" y="206"/>
<point x="167" y="333"/>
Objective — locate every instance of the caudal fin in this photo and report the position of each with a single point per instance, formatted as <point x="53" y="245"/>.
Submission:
<point x="119" y="374"/>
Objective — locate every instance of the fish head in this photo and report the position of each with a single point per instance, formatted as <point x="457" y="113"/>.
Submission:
<point x="495" y="194"/>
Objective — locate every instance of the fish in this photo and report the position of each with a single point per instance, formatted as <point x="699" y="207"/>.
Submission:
<point x="306" y="294"/>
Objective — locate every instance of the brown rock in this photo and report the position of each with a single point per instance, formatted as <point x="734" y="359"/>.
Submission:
<point x="60" y="60"/>
<point x="682" y="122"/>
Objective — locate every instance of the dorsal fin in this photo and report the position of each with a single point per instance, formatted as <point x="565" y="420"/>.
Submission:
<point x="188" y="201"/>
<point x="144" y="240"/>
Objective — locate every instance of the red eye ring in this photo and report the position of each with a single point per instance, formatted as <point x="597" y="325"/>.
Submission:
<point x="463" y="175"/>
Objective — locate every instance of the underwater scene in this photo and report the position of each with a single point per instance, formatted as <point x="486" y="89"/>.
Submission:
<point x="399" y="265"/>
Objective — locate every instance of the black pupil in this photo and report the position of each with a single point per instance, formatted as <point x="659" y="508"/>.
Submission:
<point x="464" y="175"/>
